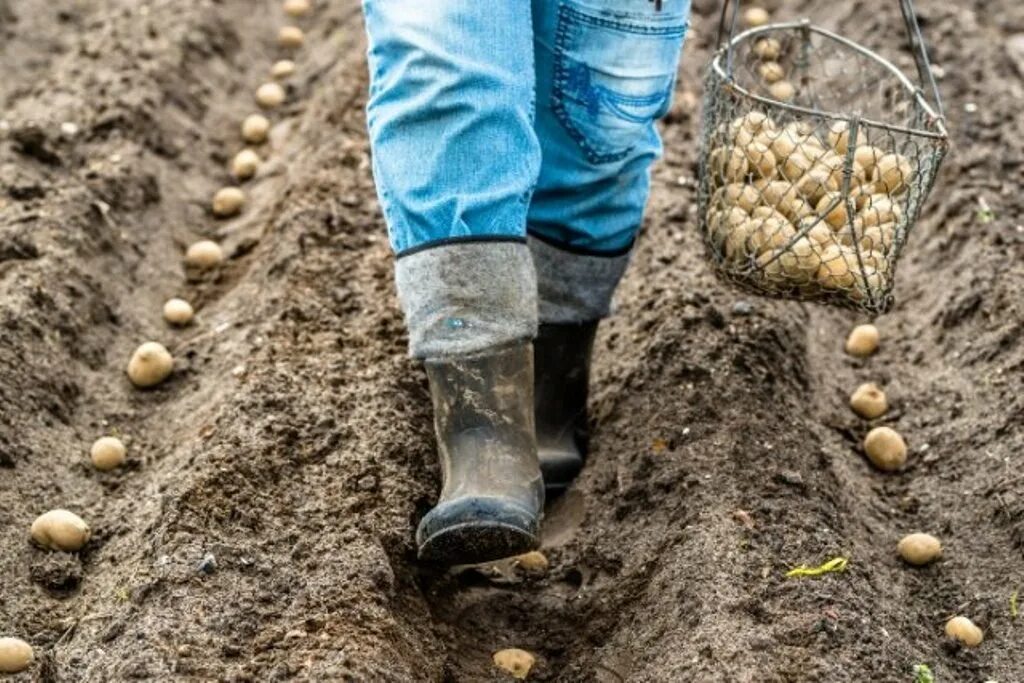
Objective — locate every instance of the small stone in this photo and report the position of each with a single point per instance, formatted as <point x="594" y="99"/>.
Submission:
<point x="68" y="129"/>
<point x="790" y="478"/>
<point x="742" y="308"/>
<point x="207" y="565"/>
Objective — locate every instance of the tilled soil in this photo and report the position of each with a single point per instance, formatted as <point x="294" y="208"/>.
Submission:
<point x="262" y="529"/>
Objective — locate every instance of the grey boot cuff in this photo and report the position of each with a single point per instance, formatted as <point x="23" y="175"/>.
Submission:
<point x="465" y="297"/>
<point x="574" y="288"/>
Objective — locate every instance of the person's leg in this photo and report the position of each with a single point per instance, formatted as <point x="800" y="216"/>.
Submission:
<point x="605" y="71"/>
<point x="455" y="159"/>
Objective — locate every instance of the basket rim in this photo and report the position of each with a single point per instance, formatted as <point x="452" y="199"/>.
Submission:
<point x="940" y="134"/>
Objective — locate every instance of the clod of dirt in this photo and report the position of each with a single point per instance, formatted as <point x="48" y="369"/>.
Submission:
<point x="107" y="453"/>
<point x="270" y="95"/>
<point x="60" y="530"/>
<point x="290" y="37"/>
<point x="245" y="164"/>
<point x="964" y="630"/>
<point x="179" y="311"/>
<point x="228" y="201"/>
<point x="15" y="655"/>
<point x="755" y="16"/>
<point x="919" y="549"/>
<point x="886" y="449"/>
<point x="533" y="562"/>
<point x="515" y="661"/>
<point x="869" y="401"/>
<point x="282" y="69"/>
<point x="863" y="341"/>
<point x="296" y="8"/>
<point x="57" y="572"/>
<point x="204" y="254"/>
<point x="255" y="128"/>
<point x="149" y="365"/>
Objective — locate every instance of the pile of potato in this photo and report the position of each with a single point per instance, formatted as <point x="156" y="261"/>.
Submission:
<point x="778" y="214"/>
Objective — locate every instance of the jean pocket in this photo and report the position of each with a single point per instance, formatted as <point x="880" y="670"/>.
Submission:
<point x="613" y="76"/>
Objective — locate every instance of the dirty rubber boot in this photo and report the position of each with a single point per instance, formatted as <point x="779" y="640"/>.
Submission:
<point x="561" y="355"/>
<point x="493" y="495"/>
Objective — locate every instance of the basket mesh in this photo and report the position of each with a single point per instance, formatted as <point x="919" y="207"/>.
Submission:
<point x="816" y="157"/>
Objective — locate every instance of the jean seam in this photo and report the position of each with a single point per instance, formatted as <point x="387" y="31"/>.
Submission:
<point x="667" y="31"/>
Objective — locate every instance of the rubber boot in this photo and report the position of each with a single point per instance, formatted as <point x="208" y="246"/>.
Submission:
<point x="561" y="355"/>
<point x="493" y="495"/>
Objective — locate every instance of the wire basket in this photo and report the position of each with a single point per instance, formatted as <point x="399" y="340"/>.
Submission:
<point x="816" y="157"/>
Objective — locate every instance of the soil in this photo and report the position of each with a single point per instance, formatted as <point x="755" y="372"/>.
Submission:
<point x="262" y="528"/>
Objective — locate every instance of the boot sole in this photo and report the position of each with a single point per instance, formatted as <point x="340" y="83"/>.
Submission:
<point x="477" y="542"/>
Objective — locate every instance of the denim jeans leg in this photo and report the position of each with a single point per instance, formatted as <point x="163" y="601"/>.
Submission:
<point x="455" y="160"/>
<point x="605" y="72"/>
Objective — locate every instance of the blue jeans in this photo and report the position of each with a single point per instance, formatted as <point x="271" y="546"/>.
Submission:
<point x="491" y="121"/>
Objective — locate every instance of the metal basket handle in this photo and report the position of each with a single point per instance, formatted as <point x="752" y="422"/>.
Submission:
<point x="917" y="46"/>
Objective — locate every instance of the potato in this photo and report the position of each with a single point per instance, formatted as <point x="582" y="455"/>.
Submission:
<point x="149" y="365"/>
<point x="290" y="37"/>
<point x="819" y="233"/>
<point x="876" y="238"/>
<point x="753" y="122"/>
<point x="296" y="8"/>
<point x="839" y="136"/>
<point x="876" y="260"/>
<point x="869" y="401"/>
<point x="783" y="91"/>
<point x="729" y="163"/>
<point x="255" y="128"/>
<point x="771" y="266"/>
<point x="204" y="254"/>
<point x="863" y="341"/>
<point x="282" y="69"/>
<point x="771" y="233"/>
<point x="795" y="165"/>
<point x="245" y="164"/>
<point x="270" y="95"/>
<point x="15" y="655"/>
<point x="737" y="194"/>
<point x="834" y="271"/>
<point x="755" y="16"/>
<point x="761" y="159"/>
<point x="964" y="630"/>
<point x="107" y="452"/>
<point x="777" y="194"/>
<point x="60" y="530"/>
<point x="515" y="661"/>
<point x="837" y="217"/>
<point x="227" y="202"/>
<point x="867" y="156"/>
<point x="878" y="209"/>
<point x="792" y="138"/>
<point x="178" y="311"/>
<point x="771" y="72"/>
<point x="533" y="562"/>
<point x="885" y="448"/>
<point x="802" y="259"/>
<point x="868" y="283"/>
<point x="736" y="242"/>
<point x="919" y="549"/>
<point x="762" y="212"/>
<point x="814" y="184"/>
<point x="892" y="172"/>
<point x="768" y="48"/>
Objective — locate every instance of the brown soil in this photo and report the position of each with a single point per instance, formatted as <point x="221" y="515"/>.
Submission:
<point x="293" y="443"/>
